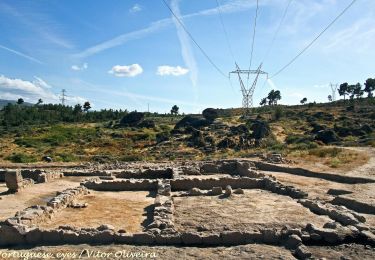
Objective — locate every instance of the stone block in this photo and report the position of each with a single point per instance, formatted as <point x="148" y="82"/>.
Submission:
<point x="191" y="239"/>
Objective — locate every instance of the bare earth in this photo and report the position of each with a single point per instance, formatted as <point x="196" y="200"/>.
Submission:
<point x="256" y="208"/>
<point x="124" y="210"/>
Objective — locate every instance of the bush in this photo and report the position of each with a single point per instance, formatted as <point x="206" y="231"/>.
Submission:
<point x="21" y="158"/>
<point x="278" y="113"/>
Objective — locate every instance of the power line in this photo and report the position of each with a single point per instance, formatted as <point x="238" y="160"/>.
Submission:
<point x="195" y="42"/>
<point x="315" y="39"/>
<point x="252" y="45"/>
<point x="277" y="30"/>
<point x="224" y="29"/>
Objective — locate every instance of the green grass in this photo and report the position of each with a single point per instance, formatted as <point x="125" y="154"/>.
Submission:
<point x="21" y="158"/>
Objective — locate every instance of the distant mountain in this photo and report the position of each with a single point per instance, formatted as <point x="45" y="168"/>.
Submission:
<point x="4" y="102"/>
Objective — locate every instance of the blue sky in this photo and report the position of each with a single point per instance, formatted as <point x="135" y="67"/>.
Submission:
<point x="128" y="54"/>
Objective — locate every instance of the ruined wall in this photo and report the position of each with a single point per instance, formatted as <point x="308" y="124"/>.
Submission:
<point x="121" y="185"/>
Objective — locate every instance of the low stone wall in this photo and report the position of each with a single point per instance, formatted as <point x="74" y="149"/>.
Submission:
<point x="15" y="182"/>
<point x="163" y="220"/>
<point x="166" y="173"/>
<point x="231" y="167"/>
<point x="41" y="176"/>
<point x="355" y="205"/>
<point x="303" y="172"/>
<point x="274" y="186"/>
<point x="340" y="214"/>
<point x="208" y="183"/>
<point x="121" y="185"/>
<point x="86" y="173"/>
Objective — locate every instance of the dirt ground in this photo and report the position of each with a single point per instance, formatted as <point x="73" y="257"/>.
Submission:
<point x="252" y="251"/>
<point x="128" y="210"/>
<point x="37" y="194"/>
<point x="250" y="211"/>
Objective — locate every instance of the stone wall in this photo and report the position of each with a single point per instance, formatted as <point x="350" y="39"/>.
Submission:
<point x="303" y="172"/>
<point x="207" y="183"/>
<point x="41" y="176"/>
<point x="15" y="181"/>
<point x="121" y="185"/>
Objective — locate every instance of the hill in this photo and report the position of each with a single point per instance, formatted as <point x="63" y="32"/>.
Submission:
<point x="311" y="132"/>
<point x="4" y="102"/>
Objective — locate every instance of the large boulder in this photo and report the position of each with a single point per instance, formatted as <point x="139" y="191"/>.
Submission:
<point x="260" y="129"/>
<point x="193" y="121"/>
<point x="327" y="136"/>
<point x="147" y="124"/>
<point x="210" y="114"/>
<point x="132" y="119"/>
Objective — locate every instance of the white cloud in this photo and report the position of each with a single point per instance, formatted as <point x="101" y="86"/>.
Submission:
<point x="126" y="70"/>
<point x="40" y="82"/>
<point x="31" y="91"/>
<point x="230" y="7"/>
<point x="166" y="70"/>
<point x="186" y="50"/>
<point x="136" y="8"/>
<point x="77" y="67"/>
<point x="21" y="54"/>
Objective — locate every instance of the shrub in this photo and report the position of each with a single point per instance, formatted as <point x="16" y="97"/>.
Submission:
<point x="278" y="113"/>
<point x="21" y="158"/>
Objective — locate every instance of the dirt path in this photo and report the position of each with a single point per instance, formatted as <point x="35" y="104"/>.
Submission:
<point x="367" y="170"/>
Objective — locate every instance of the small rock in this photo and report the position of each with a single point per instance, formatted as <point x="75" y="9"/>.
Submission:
<point x="238" y="191"/>
<point x="228" y="191"/>
<point x="105" y="227"/>
<point x="331" y="225"/>
<point x="293" y="241"/>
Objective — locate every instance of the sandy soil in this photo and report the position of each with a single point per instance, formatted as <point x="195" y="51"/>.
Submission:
<point x="127" y="210"/>
<point x="160" y="252"/>
<point x="254" y="209"/>
<point x="37" y="194"/>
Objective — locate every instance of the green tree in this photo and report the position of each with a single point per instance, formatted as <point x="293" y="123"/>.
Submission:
<point x="40" y="101"/>
<point x="174" y="110"/>
<point x="263" y="102"/>
<point x="20" y="101"/>
<point x="330" y="98"/>
<point x="369" y="87"/>
<point x="86" y="106"/>
<point x="343" y="89"/>
<point x="303" y="101"/>
<point x="273" y="97"/>
<point x="357" y="90"/>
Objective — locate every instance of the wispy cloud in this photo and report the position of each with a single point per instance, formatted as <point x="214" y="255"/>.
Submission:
<point x="230" y="7"/>
<point x="78" y="68"/>
<point x="186" y="50"/>
<point x="135" y="8"/>
<point x="126" y="70"/>
<point x="38" y="23"/>
<point x="21" y="54"/>
<point x="166" y="70"/>
<point x="31" y="91"/>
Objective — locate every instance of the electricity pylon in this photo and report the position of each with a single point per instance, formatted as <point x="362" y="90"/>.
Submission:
<point x="334" y="89"/>
<point x="63" y="97"/>
<point x="247" y="92"/>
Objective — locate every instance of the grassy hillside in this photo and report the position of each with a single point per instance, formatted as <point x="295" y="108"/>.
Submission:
<point x="294" y="132"/>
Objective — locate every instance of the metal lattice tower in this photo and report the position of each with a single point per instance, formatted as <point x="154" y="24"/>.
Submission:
<point x="63" y="97"/>
<point x="247" y="92"/>
<point x="334" y="89"/>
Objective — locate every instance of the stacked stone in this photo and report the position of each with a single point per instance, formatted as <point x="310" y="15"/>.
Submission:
<point x="338" y="213"/>
<point x="164" y="208"/>
<point x="276" y="187"/>
<point x="66" y="197"/>
<point x="15" y="182"/>
<point x="121" y="185"/>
